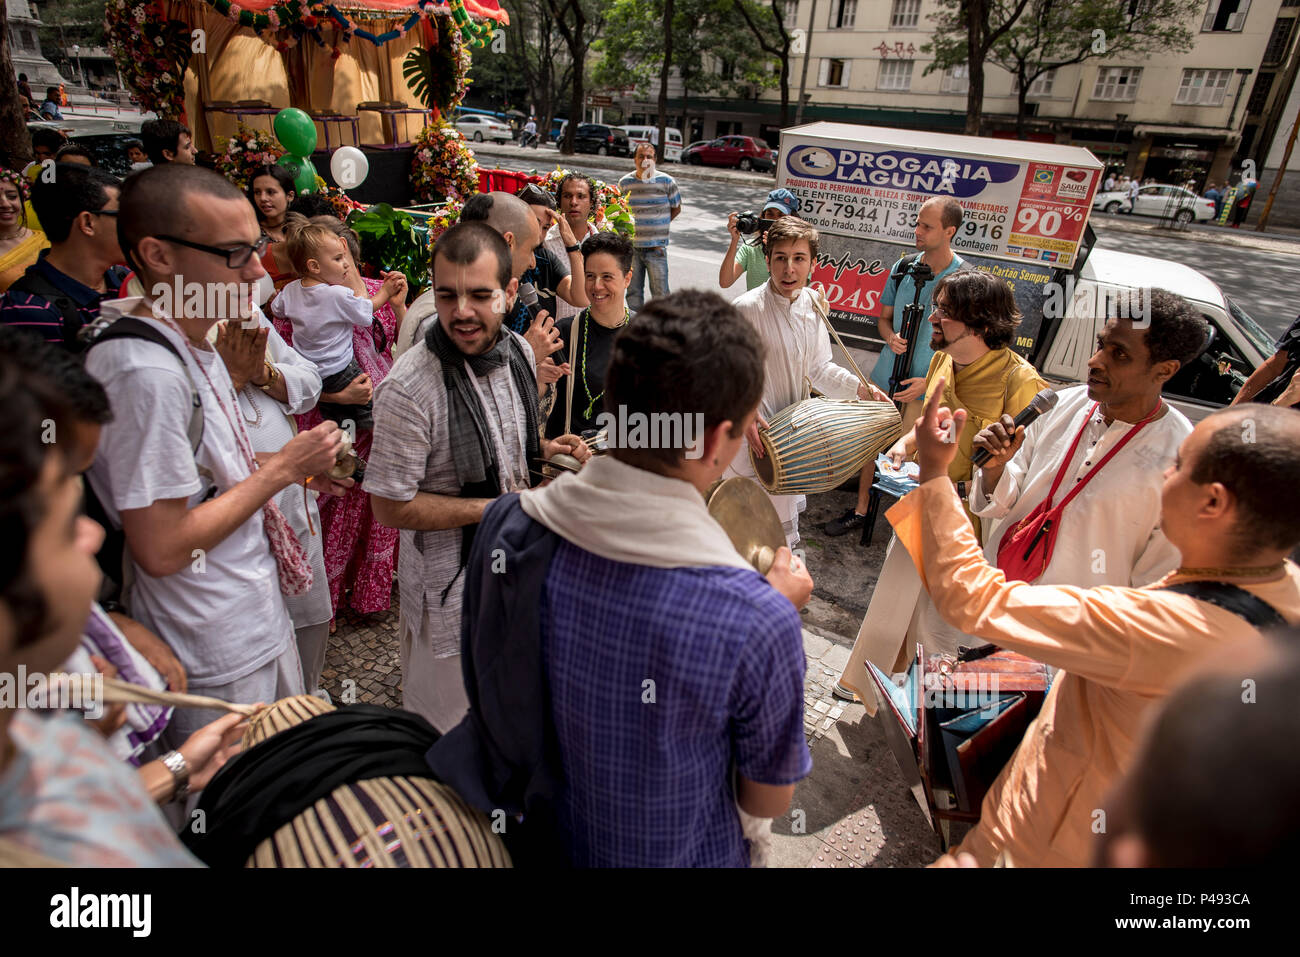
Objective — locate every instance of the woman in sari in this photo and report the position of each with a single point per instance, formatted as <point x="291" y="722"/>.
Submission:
<point x="20" y="246"/>
<point x="360" y="553"/>
<point x="270" y="190"/>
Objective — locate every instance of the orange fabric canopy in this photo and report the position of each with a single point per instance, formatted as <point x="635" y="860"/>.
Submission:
<point x="487" y="9"/>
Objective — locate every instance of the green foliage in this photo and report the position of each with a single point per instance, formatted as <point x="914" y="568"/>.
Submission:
<point x="706" y="35"/>
<point x="390" y="240"/>
<point x="432" y="74"/>
<point x="1055" y="33"/>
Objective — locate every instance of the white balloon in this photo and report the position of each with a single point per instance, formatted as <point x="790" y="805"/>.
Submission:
<point x="349" y="167"/>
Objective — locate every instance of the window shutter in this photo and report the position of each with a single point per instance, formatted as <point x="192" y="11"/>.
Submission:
<point x="844" y="77"/>
<point x="1210" y="12"/>
<point x="824" y="71"/>
<point x="1238" y="20"/>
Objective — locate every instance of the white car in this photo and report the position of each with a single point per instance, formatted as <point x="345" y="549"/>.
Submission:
<point x="477" y="127"/>
<point x="1166" y="202"/>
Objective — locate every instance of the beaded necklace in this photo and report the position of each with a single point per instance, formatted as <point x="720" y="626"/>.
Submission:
<point x="582" y="366"/>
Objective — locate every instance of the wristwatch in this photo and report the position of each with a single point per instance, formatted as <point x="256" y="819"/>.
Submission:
<point x="175" y="762"/>
<point x="272" y="373"/>
<point x="574" y="248"/>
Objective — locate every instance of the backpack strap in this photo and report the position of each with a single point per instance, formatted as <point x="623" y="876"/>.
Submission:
<point x="35" y="284"/>
<point x="1240" y="602"/>
<point x="901" y="267"/>
<point x="130" y="327"/>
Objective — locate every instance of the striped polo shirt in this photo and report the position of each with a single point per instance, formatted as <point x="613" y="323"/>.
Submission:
<point x="652" y="202"/>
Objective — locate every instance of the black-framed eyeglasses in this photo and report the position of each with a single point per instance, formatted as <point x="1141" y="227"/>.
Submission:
<point x="235" y="257"/>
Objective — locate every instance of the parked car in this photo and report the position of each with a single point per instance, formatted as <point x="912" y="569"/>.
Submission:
<point x="1166" y="202"/>
<point x="479" y="127"/>
<point x="646" y="134"/>
<point x="742" y="152"/>
<point x="601" y="139"/>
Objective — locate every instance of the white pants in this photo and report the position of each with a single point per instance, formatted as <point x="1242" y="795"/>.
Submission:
<point x="432" y="687"/>
<point x="279" y="678"/>
<point x="787" y="507"/>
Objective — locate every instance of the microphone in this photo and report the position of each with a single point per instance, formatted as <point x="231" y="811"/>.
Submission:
<point x="1045" y="401"/>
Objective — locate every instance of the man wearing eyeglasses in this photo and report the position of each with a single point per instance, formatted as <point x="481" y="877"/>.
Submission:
<point x="60" y="293"/>
<point x="210" y="558"/>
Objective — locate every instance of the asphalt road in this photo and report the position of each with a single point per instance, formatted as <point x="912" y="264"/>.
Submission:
<point x="1261" y="282"/>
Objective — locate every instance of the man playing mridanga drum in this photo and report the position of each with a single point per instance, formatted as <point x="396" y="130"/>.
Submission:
<point x="798" y="348"/>
<point x="973" y="321"/>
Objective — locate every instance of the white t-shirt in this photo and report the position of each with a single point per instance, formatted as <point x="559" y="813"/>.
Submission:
<point x="322" y="318"/>
<point x="222" y="613"/>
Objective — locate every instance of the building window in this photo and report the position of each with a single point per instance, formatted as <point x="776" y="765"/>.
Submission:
<point x="790" y="11"/>
<point x="842" y="14"/>
<point x="1279" y="41"/>
<point x="1258" y="101"/>
<point x="1225" y="16"/>
<point x="834" y="72"/>
<point x="905" y="14"/>
<point x="1117" y="83"/>
<point x="1203" y="87"/>
<point x="29" y="40"/>
<point x="1040" y="86"/>
<point x="895" y="75"/>
<point x="956" y="79"/>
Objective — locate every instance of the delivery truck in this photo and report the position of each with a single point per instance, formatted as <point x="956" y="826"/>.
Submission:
<point x="1025" y="218"/>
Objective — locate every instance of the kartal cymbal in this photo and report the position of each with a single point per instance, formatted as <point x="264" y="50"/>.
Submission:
<point x="748" y="517"/>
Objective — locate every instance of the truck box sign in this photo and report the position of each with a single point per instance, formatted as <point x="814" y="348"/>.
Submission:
<point x="1020" y="200"/>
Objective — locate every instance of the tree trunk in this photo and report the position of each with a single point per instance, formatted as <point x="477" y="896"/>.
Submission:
<point x="785" y="87"/>
<point x="976" y="15"/>
<point x="663" y="77"/>
<point x="15" y="144"/>
<point x="1022" y="105"/>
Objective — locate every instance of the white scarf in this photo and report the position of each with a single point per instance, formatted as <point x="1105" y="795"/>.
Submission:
<point x="627" y="514"/>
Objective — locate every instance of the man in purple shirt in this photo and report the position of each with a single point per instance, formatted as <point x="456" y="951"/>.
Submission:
<point x="61" y="292"/>
<point x="612" y="612"/>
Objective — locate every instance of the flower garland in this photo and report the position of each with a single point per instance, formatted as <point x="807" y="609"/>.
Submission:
<point x="441" y="220"/>
<point x="443" y="167"/>
<point x="610" y="210"/>
<point x="151" y="52"/>
<point x="342" y="203"/>
<point x="296" y="18"/>
<point x="244" y="152"/>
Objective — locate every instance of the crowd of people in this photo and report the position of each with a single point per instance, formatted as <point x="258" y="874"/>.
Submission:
<point x="591" y="651"/>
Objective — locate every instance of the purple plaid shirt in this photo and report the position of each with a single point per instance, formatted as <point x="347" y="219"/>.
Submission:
<point x="663" y="681"/>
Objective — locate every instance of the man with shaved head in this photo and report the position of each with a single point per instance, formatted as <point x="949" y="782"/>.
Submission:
<point x="175" y="468"/>
<point x="1121" y="649"/>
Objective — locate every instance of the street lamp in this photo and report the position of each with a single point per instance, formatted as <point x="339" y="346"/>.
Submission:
<point x="76" y="55"/>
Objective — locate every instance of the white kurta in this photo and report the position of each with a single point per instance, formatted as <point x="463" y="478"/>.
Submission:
<point x="1110" y="532"/>
<point x="798" y="349"/>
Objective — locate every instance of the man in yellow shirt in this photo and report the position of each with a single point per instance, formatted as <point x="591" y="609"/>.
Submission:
<point x="973" y="322"/>
<point x="1121" y="649"/>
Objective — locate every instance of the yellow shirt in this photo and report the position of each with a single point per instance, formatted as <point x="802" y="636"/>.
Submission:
<point x="1122" y="651"/>
<point x="1000" y="382"/>
<point x="14" y="262"/>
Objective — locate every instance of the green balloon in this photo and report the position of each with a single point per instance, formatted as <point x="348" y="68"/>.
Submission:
<point x="295" y="131"/>
<point x="302" y="171"/>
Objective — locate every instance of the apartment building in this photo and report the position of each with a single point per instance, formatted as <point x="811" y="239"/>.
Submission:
<point x="1193" y="115"/>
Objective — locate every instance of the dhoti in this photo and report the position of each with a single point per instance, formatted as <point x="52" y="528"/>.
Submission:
<point x="787" y="507"/>
<point x="899" y="616"/>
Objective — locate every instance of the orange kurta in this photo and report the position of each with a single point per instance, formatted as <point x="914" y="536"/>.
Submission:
<point x="1122" y="651"/>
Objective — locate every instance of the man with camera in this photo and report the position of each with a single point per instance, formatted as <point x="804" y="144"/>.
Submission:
<point x="749" y="256"/>
<point x="912" y="281"/>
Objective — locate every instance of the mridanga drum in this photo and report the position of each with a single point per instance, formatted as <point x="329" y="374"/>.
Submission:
<point x="817" y="444"/>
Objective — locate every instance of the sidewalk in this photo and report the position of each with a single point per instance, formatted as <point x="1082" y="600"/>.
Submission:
<point x="1245" y="238"/>
<point x="546" y="158"/>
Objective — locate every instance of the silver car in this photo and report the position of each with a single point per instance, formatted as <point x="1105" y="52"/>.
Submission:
<point x="1165" y="202"/>
<point x="477" y="127"/>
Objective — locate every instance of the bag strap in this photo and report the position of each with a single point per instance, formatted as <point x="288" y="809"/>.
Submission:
<point x="1078" y="486"/>
<point x="1233" y="598"/>
<point x="130" y="327"/>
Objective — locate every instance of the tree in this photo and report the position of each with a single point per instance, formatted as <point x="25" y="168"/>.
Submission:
<point x="536" y="56"/>
<point x="1059" y="33"/>
<point x="579" y="22"/>
<point x="711" y="49"/>
<point x="15" y="144"/>
<point x="767" y="25"/>
<point x="965" y="31"/>
<point x="498" y="80"/>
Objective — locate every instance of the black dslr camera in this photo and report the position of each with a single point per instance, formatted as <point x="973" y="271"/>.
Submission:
<point x="750" y="222"/>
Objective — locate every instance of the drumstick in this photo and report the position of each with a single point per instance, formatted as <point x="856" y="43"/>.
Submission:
<point x="117" y="691"/>
<point x="817" y="303"/>
<point x="573" y="353"/>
